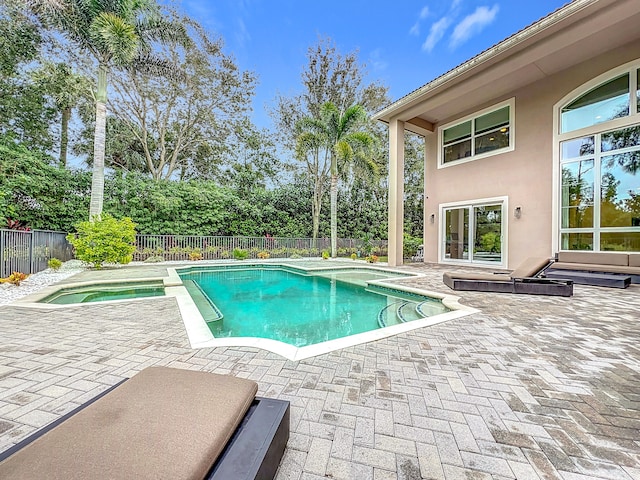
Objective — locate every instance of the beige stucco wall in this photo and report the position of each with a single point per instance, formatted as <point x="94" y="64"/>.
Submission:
<point x="525" y="174"/>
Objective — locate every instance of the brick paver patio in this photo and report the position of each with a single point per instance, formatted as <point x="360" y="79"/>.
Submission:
<point x="529" y="388"/>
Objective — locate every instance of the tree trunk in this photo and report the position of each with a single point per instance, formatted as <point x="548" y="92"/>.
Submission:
<point x="334" y="215"/>
<point x="97" y="180"/>
<point x="316" y="206"/>
<point x="64" y="136"/>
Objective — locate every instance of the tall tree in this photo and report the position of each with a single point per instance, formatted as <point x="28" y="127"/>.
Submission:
<point x="67" y="89"/>
<point x="329" y="77"/>
<point x="24" y="113"/>
<point x="184" y="123"/>
<point x="115" y="33"/>
<point x="339" y="132"/>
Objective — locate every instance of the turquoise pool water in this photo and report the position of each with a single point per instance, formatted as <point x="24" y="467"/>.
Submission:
<point x="298" y="308"/>
<point x="104" y="292"/>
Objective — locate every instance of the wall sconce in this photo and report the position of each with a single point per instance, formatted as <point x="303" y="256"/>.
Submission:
<point x="432" y="218"/>
<point x="517" y="212"/>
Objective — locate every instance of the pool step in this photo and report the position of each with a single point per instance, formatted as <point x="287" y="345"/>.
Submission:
<point x="429" y="308"/>
<point x="396" y="313"/>
<point x="207" y="308"/>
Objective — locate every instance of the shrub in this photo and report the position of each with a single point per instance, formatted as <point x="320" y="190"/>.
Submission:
<point x="410" y="245"/>
<point x="263" y="255"/>
<point x="195" y="254"/>
<point x="54" y="264"/>
<point x="16" y="225"/>
<point x="15" y="278"/>
<point x="353" y="256"/>
<point x="106" y="240"/>
<point x="154" y="259"/>
<point x="240" y="254"/>
<point x="372" y="258"/>
<point x="325" y="254"/>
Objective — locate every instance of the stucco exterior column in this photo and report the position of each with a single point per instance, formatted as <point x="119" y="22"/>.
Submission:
<point x="396" y="191"/>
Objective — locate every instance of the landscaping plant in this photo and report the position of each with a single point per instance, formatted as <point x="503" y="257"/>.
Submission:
<point x="104" y="240"/>
<point x="240" y="254"/>
<point x="15" y="278"/>
<point x="54" y="264"/>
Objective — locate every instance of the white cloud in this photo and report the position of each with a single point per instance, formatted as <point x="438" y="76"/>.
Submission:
<point x="424" y="13"/>
<point x="377" y="61"/>
<point x="436" y="33"/>
<point x="473" y="24"/>
<point x="241" y="33"/>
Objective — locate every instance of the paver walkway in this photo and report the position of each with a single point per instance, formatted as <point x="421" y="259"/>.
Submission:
<point x="529" y="388"/>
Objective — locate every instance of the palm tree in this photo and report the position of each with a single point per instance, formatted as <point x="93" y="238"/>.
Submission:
<point x="116" y="33"/>
<point x="346" y="147"/>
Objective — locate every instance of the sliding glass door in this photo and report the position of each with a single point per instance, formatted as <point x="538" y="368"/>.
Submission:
<point x="473" y="233"/>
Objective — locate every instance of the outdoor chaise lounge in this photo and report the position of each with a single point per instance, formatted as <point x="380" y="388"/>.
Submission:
<point x="523" y="279"/>
<point x="163" y="423"/>
<point x="604" y="269"/>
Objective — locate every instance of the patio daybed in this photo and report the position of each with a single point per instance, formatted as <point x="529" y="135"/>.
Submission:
<point x="606" y="269"/>
<point x="523" y="279"/>
<point x="161" y="423"/>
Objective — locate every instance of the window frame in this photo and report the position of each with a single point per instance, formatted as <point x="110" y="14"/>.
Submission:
<point x="471" y="204"/>
<point x="472" y="118"/>
<point x="595" y="130"/>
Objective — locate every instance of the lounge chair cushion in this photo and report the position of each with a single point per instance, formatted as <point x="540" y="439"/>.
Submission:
<point x="530" y="267"/>
<point x="597" y="258"/>
<point x="162" y="423"/>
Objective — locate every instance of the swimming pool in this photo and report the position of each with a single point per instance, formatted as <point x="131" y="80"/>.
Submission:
<point x="301" y="308"/>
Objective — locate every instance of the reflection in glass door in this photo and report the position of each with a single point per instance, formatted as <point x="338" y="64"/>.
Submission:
<point x="473" y="233"/>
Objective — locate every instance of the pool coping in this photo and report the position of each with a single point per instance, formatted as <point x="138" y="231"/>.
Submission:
<point x="200" y="336"/>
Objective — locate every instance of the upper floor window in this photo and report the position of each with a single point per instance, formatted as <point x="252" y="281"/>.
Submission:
<point x="615" y="98"/>
<point x="480" y="135"/>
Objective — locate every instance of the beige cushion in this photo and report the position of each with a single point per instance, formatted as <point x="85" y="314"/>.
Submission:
<point x="530" y="267"/>
<point x="596" y="258"/>
<point x="634" y="259"/>
<point x="163" y="423"/>
<point x="589" y="267"/>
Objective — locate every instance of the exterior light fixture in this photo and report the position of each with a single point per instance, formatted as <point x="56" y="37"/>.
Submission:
<point x="517" y="212"/>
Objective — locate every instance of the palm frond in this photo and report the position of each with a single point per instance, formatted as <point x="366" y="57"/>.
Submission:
<point x="115" y="37"/>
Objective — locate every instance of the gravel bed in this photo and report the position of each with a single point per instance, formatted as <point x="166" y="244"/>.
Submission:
<point x="37" y="281"/>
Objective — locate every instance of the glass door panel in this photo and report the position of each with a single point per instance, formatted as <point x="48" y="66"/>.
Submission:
<point x="488" y="233"/>
<point x="473" y="233"/>
<point x="457" y="234"/>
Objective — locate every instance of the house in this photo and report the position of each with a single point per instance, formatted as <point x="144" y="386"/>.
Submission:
<point x="532" y="146"/>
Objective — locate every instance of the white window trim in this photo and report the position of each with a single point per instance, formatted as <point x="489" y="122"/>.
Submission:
<point x="511" y="103"/>
<point x="504" y="201"/>
<point x="558" y="137"/>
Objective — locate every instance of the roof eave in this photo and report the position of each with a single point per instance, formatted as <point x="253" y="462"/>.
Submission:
<point x="492" y="54"/>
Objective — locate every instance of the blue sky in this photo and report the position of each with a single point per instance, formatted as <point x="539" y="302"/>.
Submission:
<point x="404" y="44"/>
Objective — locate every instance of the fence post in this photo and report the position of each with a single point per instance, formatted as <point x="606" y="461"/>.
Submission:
<point x="32" y="264"/>
<point x="2" y="248"/>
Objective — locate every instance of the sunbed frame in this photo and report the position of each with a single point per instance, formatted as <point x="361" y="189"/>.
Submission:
<point x="253" y="452"/>
<point x="525" y="285"/>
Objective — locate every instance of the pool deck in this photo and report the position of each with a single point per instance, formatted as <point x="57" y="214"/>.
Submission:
<point x="530" y="387"/>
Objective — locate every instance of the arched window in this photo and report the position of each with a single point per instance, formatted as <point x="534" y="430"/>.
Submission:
<point x="599" y="150"/>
